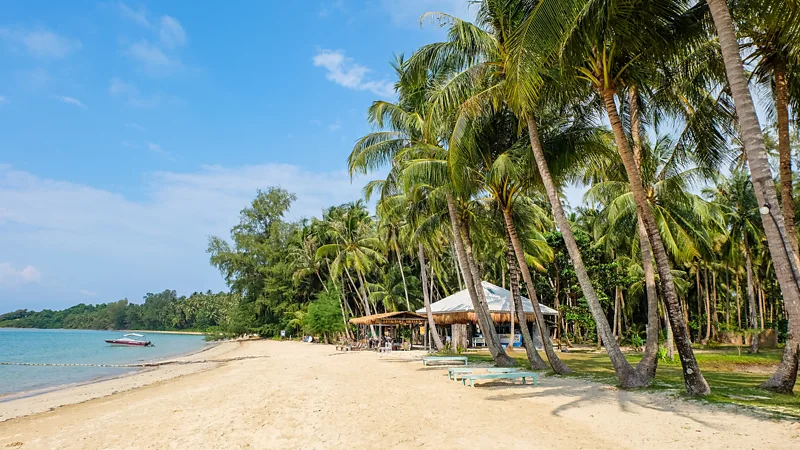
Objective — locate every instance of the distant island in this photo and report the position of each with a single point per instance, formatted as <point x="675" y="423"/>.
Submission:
<point x="165" y="311"/>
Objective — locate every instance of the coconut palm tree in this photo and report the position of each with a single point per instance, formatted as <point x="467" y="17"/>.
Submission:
<point x="784" y="257"/>
<point x="411" y="130"/>
<point x="355" y="246"/>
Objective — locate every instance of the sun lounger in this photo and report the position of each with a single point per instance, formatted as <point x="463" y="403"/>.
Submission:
<point x="499" y="376"/>
<point x="443" y="359"/>
<point x="456" y="373"/>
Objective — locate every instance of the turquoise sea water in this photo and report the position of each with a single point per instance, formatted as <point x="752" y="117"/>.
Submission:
<point x="77" y="347"/>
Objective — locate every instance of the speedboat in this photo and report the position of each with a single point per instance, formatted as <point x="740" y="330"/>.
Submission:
<point x="131" y="340"/>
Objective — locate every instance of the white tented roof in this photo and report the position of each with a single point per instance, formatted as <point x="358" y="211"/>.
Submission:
<point x="499" y="300"/>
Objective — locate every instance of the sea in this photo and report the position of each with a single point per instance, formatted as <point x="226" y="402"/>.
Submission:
<point x="76" y="347"/>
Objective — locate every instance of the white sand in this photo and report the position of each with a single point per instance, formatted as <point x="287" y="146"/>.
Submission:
<point x="309" y="396"/>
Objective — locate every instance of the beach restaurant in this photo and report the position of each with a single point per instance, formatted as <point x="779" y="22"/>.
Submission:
<point x="457" y="323"/>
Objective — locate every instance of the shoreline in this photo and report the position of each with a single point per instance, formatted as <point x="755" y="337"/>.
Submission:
<point x="21" y="404"/>
<point x="269" y="394"/>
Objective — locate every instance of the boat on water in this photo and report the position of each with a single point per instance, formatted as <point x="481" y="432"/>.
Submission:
<point x="131" y="340"/>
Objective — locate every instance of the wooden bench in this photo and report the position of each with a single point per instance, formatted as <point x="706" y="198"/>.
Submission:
<point x="443" y="359"/>
<point x="455" y="373"/>
<point x="499" y="376"/>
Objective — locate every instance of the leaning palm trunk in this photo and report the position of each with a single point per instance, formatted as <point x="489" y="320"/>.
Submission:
<point x="484" y="320"/>
<point x="363" y="284"/>
<point x="751" y="298"/>
<point x="782" y="252"/>
<point x="555" y="362"/>
<point x="534" y="359"/>
<point x="437" y="341"/>
<point x="649" y="360"/>
<point x="402" y="274"/>
<point x="362" y="296"/>
<point x="785" y="153"/>
<point x="693" y="379"/>
<point x="626" y="374"/>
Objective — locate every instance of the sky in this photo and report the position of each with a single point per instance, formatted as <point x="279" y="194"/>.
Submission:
<point x="131" y="131"/>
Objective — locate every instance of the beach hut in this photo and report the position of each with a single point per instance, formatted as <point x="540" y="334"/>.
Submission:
<point x="456" y="313"/>
<point x="390" y="322"/>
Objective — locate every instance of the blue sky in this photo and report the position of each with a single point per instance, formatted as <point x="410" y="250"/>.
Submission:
<point x="131" y="131"/>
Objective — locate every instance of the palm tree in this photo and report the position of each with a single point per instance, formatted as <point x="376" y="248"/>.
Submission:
<point x="410" y="129"/>
<point x="737" y="200"/>
<point x="608" y="46"/>
<point x="784" y="257"/>
<point x="355" y="246"/>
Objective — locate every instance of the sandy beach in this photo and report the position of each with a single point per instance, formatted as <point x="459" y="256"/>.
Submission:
<point x="295" y="395"/>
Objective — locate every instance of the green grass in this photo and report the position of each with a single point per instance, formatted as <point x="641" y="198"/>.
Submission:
<point x="729" y="374"/>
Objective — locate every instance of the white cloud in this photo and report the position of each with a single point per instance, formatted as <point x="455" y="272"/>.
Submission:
<point x="133" y="97"/>
<point x="40" y="42"/>
<point x="153" y="60"/>
<point x="154" y="239"/>
<point x="137" y="16"/>
<point x="136" y="127"/>
<point x="155" y="148"/>
<point x="10" y="276"/>
<point x="171" y="33"/>
<point x="345" y="72"/>
<point x="87" y="293"/>
<point x="71" y="101"/>
<point x="335" y="125"/>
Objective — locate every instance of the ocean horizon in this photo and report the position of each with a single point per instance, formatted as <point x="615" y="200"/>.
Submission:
<point x="61" y="346"/>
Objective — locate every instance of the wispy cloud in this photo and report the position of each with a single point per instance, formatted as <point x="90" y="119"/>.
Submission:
<point x="71" y="101"/>
<point x="335" y="125"/>
<point x="315" y="122"/>
<point x="87" y="293"/>
<point x="152" y="59"/>
<point x="155" y="148"/>
<point x="171" y="32"/>
<point x="345" y="72"/>
<point x="40" y="42"/>
<point x="138" y="16"/>
<point x="133" y="97"/>
<point x="136" y="127"/>
<point x="85" y="237"/>
<point x="11" y="276"/>
<point x="3" y="100"/>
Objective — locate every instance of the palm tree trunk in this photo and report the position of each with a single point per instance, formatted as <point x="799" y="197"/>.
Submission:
<point x="402" y="273"/>
<point x="708" y="306"/>
<point x="649" y="360"/>
<point x="714" y="318"/>
<point x="362" y="294"/>
<point x="751" y="301"/>
<point x="783" y="256"/>
<point x="437" y="341"/>
<point x="670" y="339"/>
<point x="534" y="359"/>
<point x="625" y="373"/>
<point x="699" y="302"/>
<point x="487" y="327"/>
<point x="544" y="332"/>
<point x="738" y="301"/>
<point x="693" y="378"/>
<point x="785" y="153"/>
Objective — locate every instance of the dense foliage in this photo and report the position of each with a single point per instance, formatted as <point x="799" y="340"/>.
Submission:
<point x="165" y="311"/>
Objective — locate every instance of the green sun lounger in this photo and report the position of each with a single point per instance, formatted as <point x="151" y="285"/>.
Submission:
<point x="499" y="376"/>
<point x="455" y="373"/>
<point x="443" y="359"/>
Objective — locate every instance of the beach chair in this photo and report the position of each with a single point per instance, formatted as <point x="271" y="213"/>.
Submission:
<point x="387" y="348"/>
<point x="500" y="376"/>
<point x="443" y="359"/>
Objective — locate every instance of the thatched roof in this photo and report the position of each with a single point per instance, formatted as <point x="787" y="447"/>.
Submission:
<point x="390" y="318"/>
<point x="457" y="308"/>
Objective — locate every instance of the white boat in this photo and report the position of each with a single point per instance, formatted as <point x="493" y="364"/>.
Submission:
<point x="131" y="340"/>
